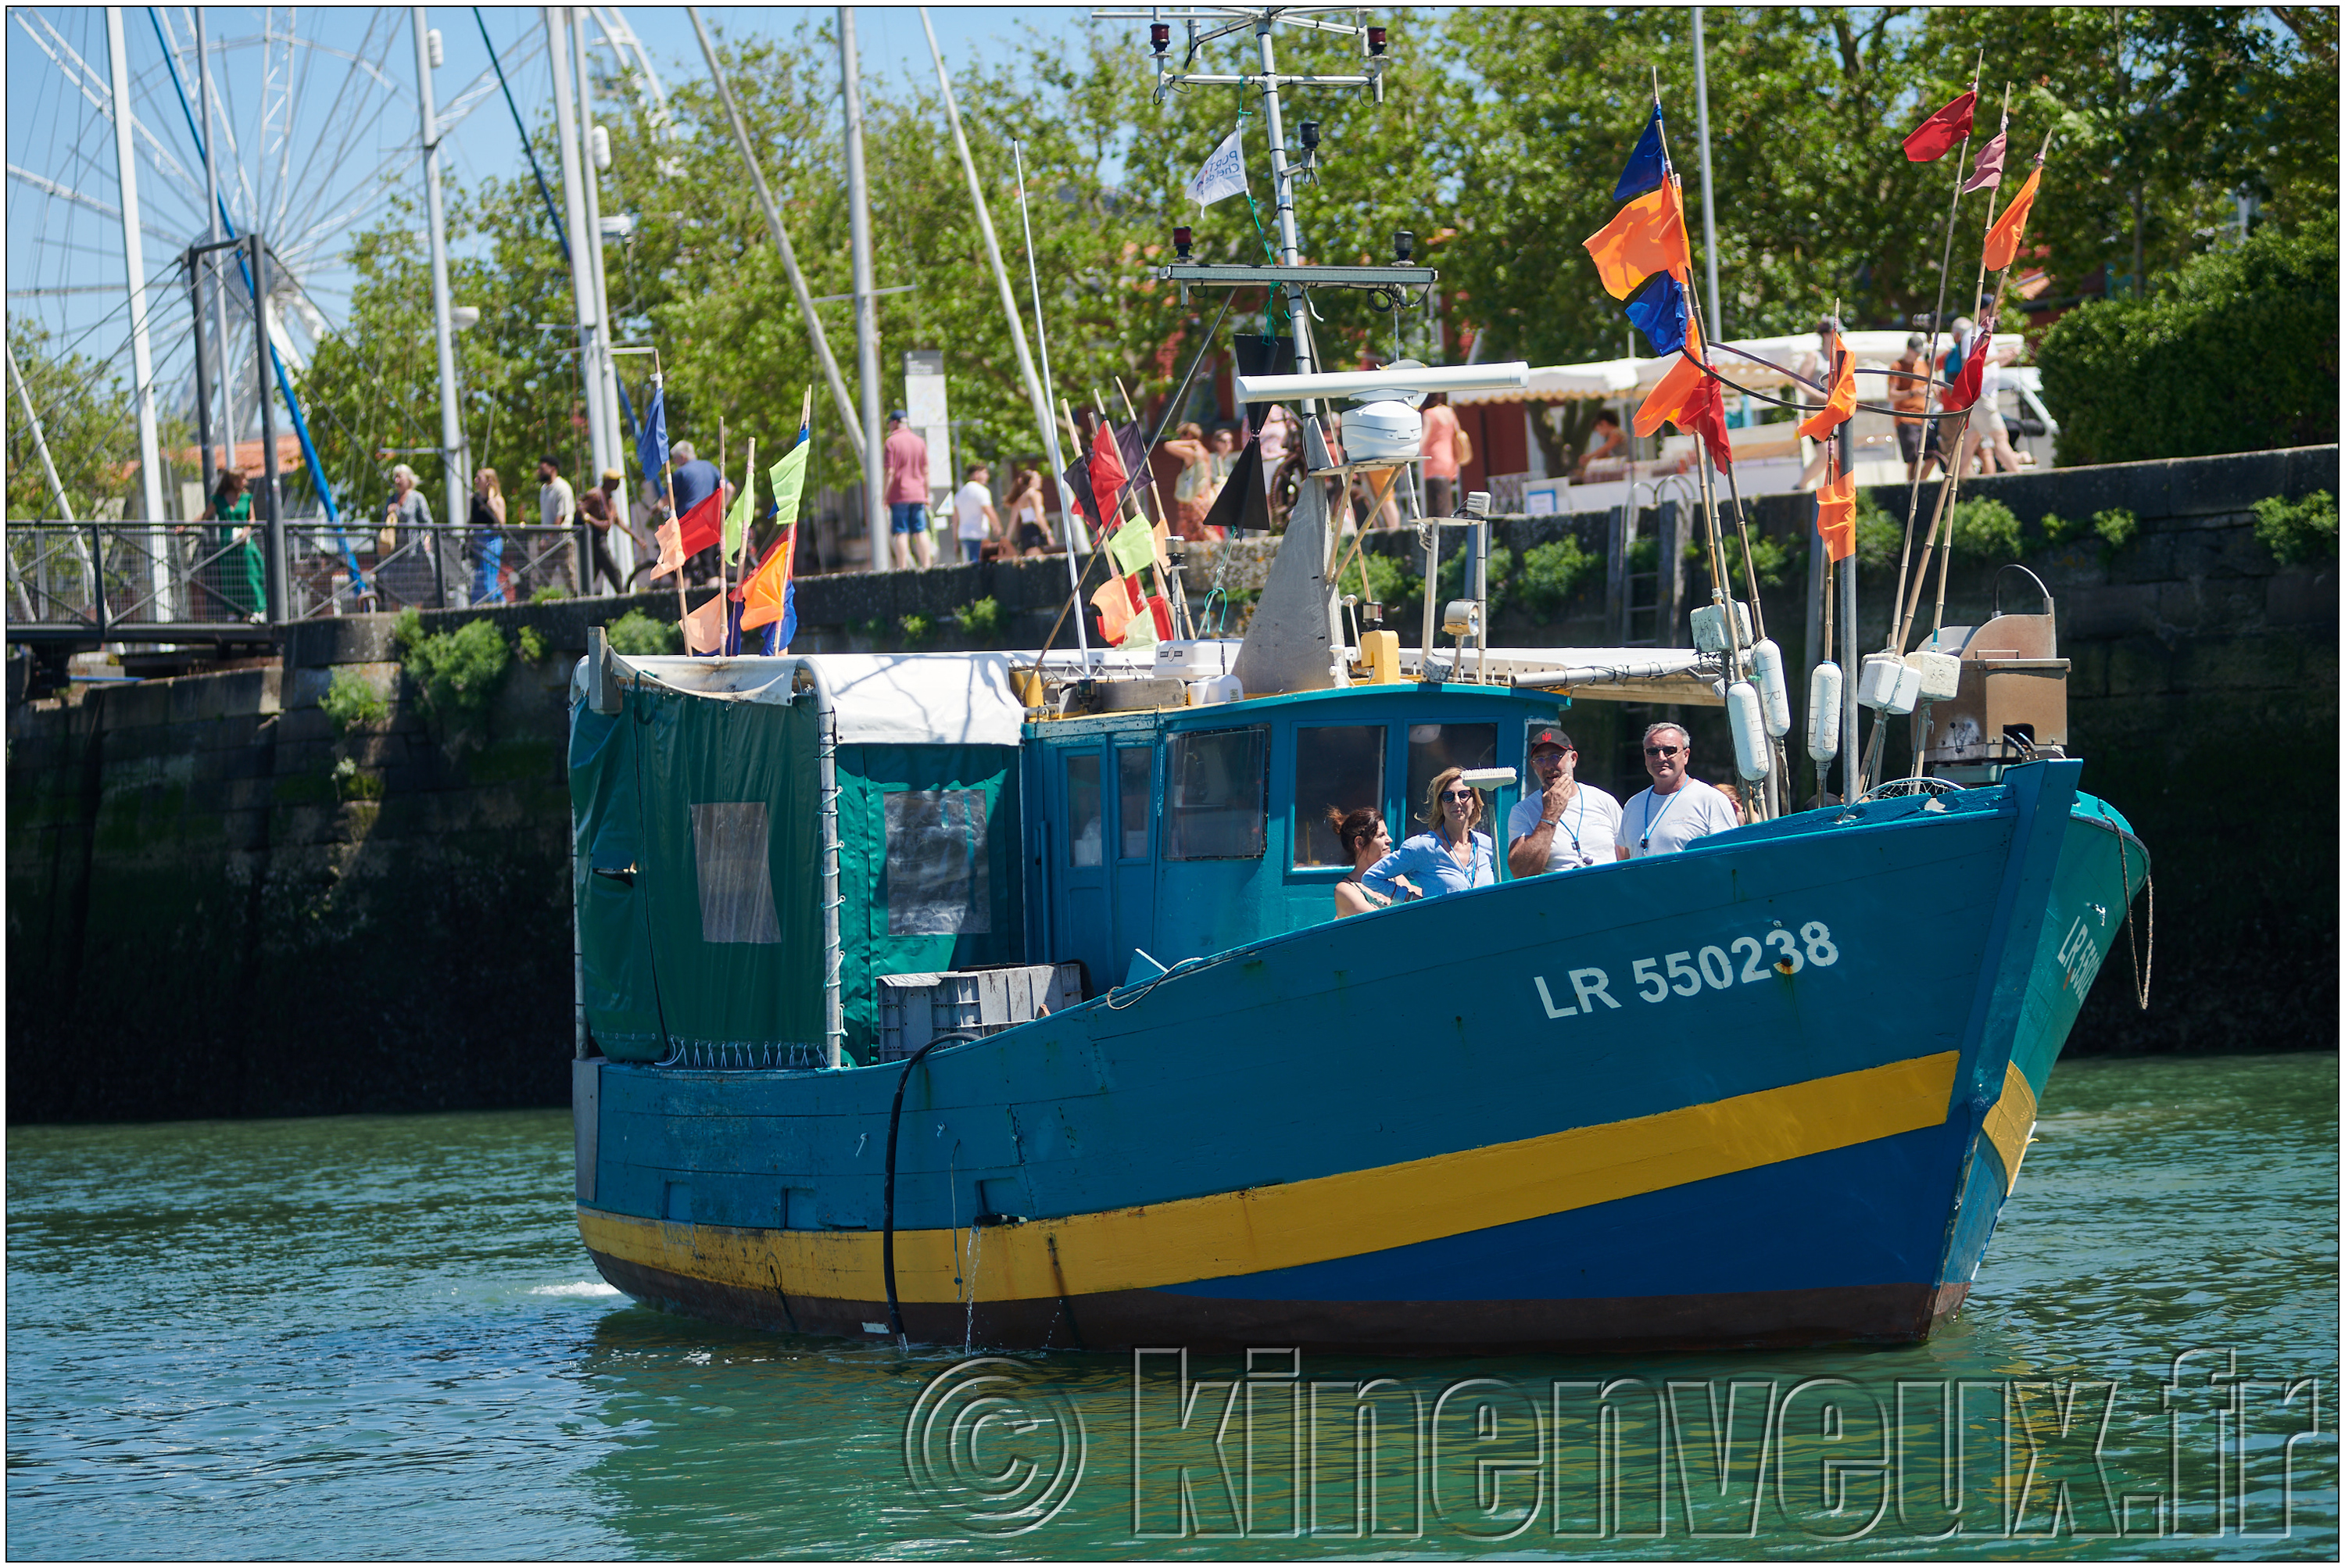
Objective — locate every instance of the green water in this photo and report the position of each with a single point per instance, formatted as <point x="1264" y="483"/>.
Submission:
<point x="379" y="1337"/>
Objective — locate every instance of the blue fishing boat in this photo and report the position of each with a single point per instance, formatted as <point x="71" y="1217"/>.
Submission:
<point x="997" y="998"/>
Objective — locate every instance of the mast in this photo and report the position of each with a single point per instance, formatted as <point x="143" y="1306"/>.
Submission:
<point x="573" y="203"/>
<point x="1034" y="390"/>
<point x="867" y="313"/>
<point x="1282" y="179"/>
<point x="211" y="264"/>
<point x="615" y="445"/>
<point x="1708" y="223"/>
<point x="781" y="238"/>
<point x="134" y="260"/>
<point x="456" y="482"/>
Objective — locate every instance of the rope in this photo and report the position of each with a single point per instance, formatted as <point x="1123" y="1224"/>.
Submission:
<point x="2145" y="951"/>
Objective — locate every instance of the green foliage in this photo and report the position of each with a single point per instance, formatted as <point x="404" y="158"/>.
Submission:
<point x="982" y="621"/>
<point x="2236" y="352"/>
<point x="1983" y="529"/>
<point x="351" y="700"/>
<point x="1768" y="557"/>
<point x="86" y="419"/>
<point x="2116" y="526"/>
<point x="531" y="645"/>
<point x="1550" y="573"/>
<point x="636" y="634"/>
<point x="916" y="629"/>
<point x="1381" y="579"/>
<point x="547" y="592"/>
<point x="1879" y="536"/>
<point x="2304" y="530"/>
<point x="457" y="672"/>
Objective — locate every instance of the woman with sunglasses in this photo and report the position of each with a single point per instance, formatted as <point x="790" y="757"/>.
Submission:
<point x="1448" y="859"/>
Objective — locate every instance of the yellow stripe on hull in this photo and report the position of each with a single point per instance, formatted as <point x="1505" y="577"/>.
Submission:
<point x="2009" y="1122"/>
<point x="1291" y="1224"/>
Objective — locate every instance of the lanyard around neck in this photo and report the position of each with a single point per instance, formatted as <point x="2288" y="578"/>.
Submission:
<point x="1651" y="816"/>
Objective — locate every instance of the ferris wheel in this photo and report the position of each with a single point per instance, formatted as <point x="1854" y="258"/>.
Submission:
<point x="314" y="127"/>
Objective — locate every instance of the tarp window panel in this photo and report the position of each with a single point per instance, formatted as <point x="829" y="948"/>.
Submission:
<point x="937" y="882"/>
<point x="1218" y="801"/>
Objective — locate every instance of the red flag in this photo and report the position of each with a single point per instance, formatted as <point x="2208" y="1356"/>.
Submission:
<point x="2003" y="240"/>
<point x="1646" y="237"/>
<point x="1162" y="614"/>
<point x="1933" y="137"/>
<point x="1839" y="405"/>
<point x="704" y="526"/>
<point x="761" y="596"/>
<point x="1965" y="390"/>
<point x="1836" y="517"/>
<point x="1672" y="397"/>
<point x="1108" y="475"/>
<point x="1707" y="418"/>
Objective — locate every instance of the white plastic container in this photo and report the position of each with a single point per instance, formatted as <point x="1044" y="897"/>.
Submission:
<point x="1878" y="682"/>
<point x="1774" y="695"/>
<point x="1942" y="675"/>
<point x="1709" y="624"/>
<point x="1908" y="693"/>
<point x="1749" y="728"/>
<point x="1823" y="712"/>
<point x="1215" y="688"/>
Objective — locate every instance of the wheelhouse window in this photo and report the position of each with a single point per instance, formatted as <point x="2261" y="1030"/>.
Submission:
<point x="936" y="879"/>
<point x="1133" y="801"/>
<point x="1433" y="746"/>
<point x="1337" y="765"/>
<point x="1084" y="845"/>
<point x="1217" y="800"/>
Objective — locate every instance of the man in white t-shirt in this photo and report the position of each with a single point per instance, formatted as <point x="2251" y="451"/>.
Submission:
<point x="1678" y="809"/>
<point x="974" y="519"/>
<point x="1568" y="824"/>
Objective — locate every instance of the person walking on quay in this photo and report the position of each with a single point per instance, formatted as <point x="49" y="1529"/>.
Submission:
<point x="557" y="505"/>
<point x="600" y="507"/>
<point x="485" y="535"/>
<point x="906" y="458"/>
<point x="1446" y="448"/>
<point x="235" y="574"/>
<point x="1030" y="532"/>
<point x="407" y="524"/>
<point x="974" y="518"/>
<point x="1204" y="469"/>
<point x="1909" y="392"/>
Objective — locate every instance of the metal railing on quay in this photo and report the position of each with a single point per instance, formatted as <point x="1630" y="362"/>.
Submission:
<point x="335" y="569"/>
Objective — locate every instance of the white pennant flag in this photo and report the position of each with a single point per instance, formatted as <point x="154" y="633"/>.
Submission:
<point x="1223" y="173"/>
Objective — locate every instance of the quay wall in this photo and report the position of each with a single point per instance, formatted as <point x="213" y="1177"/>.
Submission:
<point x="220" y="902"/>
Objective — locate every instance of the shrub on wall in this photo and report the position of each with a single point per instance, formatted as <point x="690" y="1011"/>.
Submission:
<point x="2235" y="352"/>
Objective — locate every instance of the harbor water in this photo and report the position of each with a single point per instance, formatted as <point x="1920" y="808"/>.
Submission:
<point x="379" y="1336"/>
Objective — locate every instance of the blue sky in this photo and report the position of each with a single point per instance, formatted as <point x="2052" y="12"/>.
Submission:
<point x="355" y="116"/>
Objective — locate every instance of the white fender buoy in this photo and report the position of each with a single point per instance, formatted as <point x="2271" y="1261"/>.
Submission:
<point x="1743" y="718"/>
<point x="1876" y="680"/>
<point x="1774" y="694"/>
<point x="1823" y="712"/>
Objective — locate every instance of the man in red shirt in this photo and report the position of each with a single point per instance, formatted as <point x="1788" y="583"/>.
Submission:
<point x="906" y="458"/>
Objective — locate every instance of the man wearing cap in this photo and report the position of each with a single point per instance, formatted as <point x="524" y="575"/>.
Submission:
<point x="906" y="458"/>
<point x="1566" y="826"/>
<point x="600" y="507"/>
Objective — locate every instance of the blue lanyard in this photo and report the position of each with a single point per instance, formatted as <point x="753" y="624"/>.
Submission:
<point x="1651" y="816"/>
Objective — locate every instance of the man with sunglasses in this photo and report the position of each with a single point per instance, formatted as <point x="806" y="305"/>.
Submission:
<point x="1566" y="826"/>
<point x="1677" y="808"/>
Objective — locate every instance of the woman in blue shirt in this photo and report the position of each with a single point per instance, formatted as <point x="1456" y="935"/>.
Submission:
<point x="1449" y="858"/>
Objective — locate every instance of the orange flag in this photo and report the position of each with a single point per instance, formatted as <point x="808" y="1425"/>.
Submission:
<point x="671" y="542"/>
<point x="704" y="628"/>
<point x="761" y="596"/>
<point x="1675" y="400"/>
<point x="2003" y="240"/>
<point x="1113" y="600"/>
<point x="1646" y="237"/>
<point x="1836" y="517"/>
<point x="1840" y="404"/>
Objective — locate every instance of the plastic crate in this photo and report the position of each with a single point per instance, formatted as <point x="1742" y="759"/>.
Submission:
<point x="914" y="1009"/>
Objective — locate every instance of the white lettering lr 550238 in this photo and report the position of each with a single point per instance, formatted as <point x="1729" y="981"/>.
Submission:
<point x="1745" y="961"/>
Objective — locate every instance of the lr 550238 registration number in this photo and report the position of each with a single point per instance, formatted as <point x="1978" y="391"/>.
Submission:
<point x="1745" y="961"/>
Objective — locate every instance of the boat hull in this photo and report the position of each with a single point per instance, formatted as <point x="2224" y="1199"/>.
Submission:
<point x="1769" y="1092"/>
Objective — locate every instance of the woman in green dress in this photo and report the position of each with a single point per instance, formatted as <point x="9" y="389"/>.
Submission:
<point x="236" y="575"/>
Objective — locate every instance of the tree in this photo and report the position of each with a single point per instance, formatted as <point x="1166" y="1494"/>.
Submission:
<point x="85" y="415"/>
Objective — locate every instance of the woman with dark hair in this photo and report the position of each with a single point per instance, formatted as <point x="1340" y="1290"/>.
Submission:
<point x="1450" y="857"/>
<point x="1365" y="838"/>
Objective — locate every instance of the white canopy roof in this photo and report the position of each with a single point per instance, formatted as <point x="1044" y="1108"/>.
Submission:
<point x="1612" y="379"/>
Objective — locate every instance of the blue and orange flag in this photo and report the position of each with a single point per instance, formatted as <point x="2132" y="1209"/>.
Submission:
<point x="770" y="595"/>
<point x="1647" y="166"/>
<point x="1646" y="237"/>
<point x="1659" y="311"/>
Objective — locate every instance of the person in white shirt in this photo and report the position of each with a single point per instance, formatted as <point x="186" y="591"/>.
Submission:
<point x="1566" y="826"/>
<point x="974" y="519"/>
<point x="1678" y="809"/>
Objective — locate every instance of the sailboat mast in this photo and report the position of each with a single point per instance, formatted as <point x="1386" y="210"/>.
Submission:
<point x="452" y="425"/>
<point x="1709" y="222"/>
<point x="867" y="314"/>
<point x="1282" y="177"/>
<point x="211" y="265"/>
<point x="134" y="257"/>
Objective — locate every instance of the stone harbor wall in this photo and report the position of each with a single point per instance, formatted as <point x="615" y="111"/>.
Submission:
<point x="243" y="894"/>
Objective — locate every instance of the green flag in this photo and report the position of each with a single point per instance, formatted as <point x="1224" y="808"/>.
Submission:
<point x="1132" y="548"/>
<point x="788" y="478"/>
<point x="744" y="507"/>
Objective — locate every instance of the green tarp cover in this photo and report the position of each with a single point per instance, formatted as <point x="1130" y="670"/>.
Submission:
<point x="699" y="878"/>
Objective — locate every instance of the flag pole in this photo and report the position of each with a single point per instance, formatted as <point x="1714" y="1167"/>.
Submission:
<point x="1937" y="321"/>
<point x="667" y="475"/>
<point x="1067" y="513"/>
